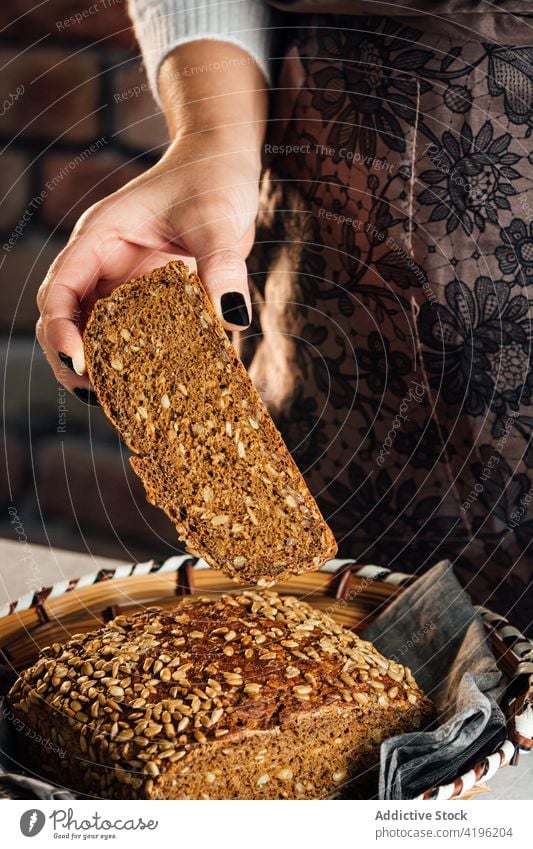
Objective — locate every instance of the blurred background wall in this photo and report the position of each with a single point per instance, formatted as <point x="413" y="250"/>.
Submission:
<point x="76" y="121"/>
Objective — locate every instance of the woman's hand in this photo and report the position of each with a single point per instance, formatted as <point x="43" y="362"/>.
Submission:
<point x="197" y="204"/>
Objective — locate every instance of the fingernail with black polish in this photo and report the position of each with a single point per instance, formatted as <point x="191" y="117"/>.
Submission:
<point x="87" y="396"/>
<point x="67" y="361"/>
<point x="234" y="309"/>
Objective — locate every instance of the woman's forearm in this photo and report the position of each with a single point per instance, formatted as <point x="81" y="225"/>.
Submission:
<point x="215" y="87"/>
<point x="162" y="25"/>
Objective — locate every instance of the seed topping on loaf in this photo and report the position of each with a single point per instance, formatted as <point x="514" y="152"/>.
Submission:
<point x="146" y="690"/>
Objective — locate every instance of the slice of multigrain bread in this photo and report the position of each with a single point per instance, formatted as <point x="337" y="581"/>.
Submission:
<point x="205" y="446"/>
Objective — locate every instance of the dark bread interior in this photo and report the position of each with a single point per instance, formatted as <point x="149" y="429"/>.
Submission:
<point x="205" y="446"/>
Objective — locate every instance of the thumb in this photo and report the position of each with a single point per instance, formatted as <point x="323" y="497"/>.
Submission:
<point x="222" y="270"/>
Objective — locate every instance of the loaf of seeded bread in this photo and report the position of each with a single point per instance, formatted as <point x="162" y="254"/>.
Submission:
<point x="205" y="445"/>
<point x="248" y="696"/>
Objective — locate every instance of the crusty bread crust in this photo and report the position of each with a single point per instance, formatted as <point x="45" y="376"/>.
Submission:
<point x="249" y="696"/>
<point x="205" y="446"/>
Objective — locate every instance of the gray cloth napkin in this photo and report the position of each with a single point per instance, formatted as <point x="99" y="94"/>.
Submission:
<point x="433" y="629"/>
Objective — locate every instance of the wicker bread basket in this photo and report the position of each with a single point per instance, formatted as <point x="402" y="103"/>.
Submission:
<point x="351" y="593"/>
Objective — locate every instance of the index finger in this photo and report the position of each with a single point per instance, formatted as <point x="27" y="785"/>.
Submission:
<point x="71" y="277"/>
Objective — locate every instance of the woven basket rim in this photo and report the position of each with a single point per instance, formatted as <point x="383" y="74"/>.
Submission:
<point x="35" y="598"/>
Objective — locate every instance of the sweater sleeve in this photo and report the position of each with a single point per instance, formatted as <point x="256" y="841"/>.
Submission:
<point x="161" y="25"/>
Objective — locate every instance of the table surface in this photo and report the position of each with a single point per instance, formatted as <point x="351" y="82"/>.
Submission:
<point x="23" y="565"/>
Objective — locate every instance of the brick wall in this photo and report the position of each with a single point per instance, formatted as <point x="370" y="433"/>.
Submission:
<point x="70" y="489"/>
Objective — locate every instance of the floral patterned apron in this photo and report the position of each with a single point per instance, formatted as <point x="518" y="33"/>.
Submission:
<point x="391" y="284"/>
